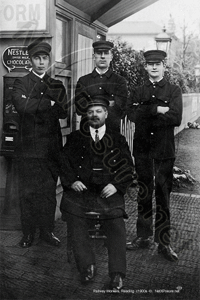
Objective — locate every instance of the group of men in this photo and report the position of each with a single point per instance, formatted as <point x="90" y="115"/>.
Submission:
<point x="95" y="165"/>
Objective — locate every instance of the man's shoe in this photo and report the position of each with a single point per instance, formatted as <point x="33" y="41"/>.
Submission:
<point x="26" y="241"/>
<point x="138" y="242"/>
<point x="116" y="282"/>
<point x="89" y="274"/>
<point x="50" y="238"/>
<point x="167" y="252"/>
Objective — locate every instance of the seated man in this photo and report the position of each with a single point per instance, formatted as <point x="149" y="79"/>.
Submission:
<point x="96" y="171"/>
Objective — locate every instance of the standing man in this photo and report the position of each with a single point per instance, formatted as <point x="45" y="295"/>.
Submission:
<point x="97" y="169"/>
<point x="100" y="82"/>
<point x="155" y="108"/>
<point x="40" y="102"/>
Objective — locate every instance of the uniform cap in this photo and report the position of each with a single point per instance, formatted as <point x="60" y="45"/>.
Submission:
<point x="105" y="45"/>
<point x="154" y="55"/>
<point x="98" y="100"/>
<point x="39" y="47"/>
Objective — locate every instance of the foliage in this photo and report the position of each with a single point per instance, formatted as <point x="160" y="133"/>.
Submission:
<point x="129" y="63"/>
<point x="185" y="79"/>
<point x="187" y="57"/>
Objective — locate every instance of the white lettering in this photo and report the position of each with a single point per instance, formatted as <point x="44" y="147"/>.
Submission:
<point x="17" y="52"/>
<point x="10" y="51"/>
<point x="17" y="62"/>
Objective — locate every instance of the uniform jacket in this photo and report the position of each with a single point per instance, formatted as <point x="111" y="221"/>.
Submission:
<point x="76" y="164"/>
<point x="154" y="132"/>
<point x="40" y="133"/>
<point x="110" y="84"/>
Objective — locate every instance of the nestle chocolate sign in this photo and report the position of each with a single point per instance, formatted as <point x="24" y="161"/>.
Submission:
<point x="15" y="58"/>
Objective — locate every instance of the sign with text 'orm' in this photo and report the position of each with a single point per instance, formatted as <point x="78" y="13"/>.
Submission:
<point x="22" y="15"/>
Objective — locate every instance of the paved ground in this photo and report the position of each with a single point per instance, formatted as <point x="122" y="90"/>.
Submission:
<point x="42" y="272"/>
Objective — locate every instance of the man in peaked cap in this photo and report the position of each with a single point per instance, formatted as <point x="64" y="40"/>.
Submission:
<point x="40" y="102"/>
<point x="38" y="48"/>
<point x="155" y="56"/>
<point x="96" y="170"/>
<point x="155" y="108"/>
<point x="103" y="80"/>
<point x="102" y="45"/>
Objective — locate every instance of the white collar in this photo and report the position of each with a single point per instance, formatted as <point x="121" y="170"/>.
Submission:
<point x="156" y="80"/>
<point x="41" y="76"/>
<point x="99" y="72"/>
<point x="101" y="131"/>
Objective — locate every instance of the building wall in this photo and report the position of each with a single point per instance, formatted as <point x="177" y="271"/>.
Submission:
<point x="140" y="35"/>
<point x="138" y="42"/>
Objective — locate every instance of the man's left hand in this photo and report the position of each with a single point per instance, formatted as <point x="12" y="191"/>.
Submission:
<point x="108" y="191"/>
<point x="162" y="110"/>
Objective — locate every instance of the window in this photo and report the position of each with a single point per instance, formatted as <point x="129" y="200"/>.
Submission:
<point x="63" y="42"/>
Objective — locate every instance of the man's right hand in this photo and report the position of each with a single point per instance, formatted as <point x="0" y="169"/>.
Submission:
<point x="78" y="186"/>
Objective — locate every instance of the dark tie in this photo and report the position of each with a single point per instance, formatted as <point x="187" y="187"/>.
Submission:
<point x="96" y="136"/>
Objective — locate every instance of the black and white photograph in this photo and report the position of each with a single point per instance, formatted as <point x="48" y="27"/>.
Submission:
<point x="99" y="149"/>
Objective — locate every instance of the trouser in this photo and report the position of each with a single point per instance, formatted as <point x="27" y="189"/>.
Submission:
<point x="74" y="206"/>
<point x="37" y="193"/>
<point x="114" y="229"/>
<point x="146" y="169"/>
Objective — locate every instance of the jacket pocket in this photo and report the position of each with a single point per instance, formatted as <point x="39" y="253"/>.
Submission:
<point x="163" y="100"/>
